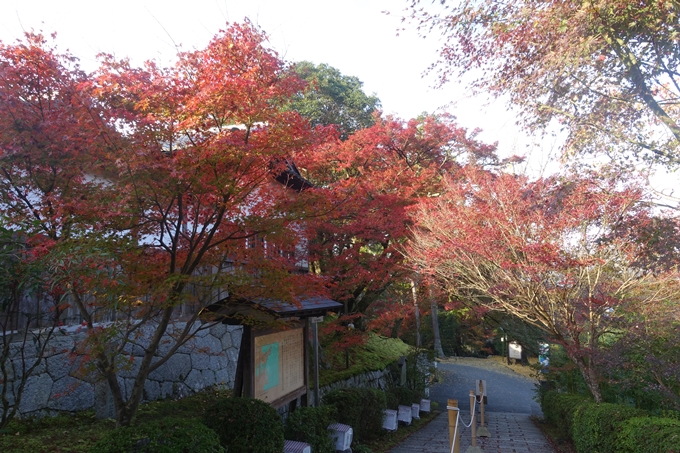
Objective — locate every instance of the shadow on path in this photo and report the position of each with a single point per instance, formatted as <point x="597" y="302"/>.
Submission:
<point x="507" y="391"/>
<point x="508" y="413"/>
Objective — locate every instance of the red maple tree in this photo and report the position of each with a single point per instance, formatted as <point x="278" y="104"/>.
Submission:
<point x="370" y="181"/>
<point x="542" y="252"/>
<point x="156" y="189"/>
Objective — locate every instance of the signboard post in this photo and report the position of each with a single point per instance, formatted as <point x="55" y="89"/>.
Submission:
<point x="315" y="320"/>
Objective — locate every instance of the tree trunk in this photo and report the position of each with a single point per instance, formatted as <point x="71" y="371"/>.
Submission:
<point x="417" y="313"/>
<point x="396" y="327"/>
<point x="438" y="351"/>
<point x="589" y="375"/>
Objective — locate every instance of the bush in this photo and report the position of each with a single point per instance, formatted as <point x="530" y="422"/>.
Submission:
<point x="310" y="424"/>
<point x="596" y="426"/>
<point x="558" y="409"/>
<point x="245" y="425"/>
<point x="649" y="435"/>
<point x="360" y="408"/>
<point x="400" y="395"/>
<point x="166" y="436"/>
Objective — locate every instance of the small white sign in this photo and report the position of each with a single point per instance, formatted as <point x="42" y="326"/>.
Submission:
<point x="314" y="319"/>
<point x="515" y="350"/>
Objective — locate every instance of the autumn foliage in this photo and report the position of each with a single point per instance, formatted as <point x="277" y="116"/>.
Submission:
<point x="370" y="180"/>
<point x="542" y="252"/>
<point x="605" y="71"/>
<point x="151" y="191"/>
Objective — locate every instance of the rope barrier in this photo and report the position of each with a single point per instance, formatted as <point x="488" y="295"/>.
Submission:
<point x="472" y="417"/>
<point x="467" y="425"/>
<point x="472" y="414"/>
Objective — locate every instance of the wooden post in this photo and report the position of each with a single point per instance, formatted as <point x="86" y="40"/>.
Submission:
<point x="453" y="417"/>
<point x="315" y="325"/>
<point x="482" y="431"/>
<point x="474" y="422"/>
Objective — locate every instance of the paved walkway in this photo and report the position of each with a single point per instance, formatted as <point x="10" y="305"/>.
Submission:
<point x="507" y="414"/>
<point x="509" y="433"/>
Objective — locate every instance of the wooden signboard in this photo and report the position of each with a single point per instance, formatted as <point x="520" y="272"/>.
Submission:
<point x="279" y="362"/>
<point x="515" y="350"/>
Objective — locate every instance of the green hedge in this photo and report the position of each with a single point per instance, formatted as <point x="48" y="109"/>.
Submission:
<point x="404" y="396"/>
<point x="596" y="426"/>
<point x="559" y="408"/>
<point x="649" y="435"/>
<point x="245" y="425"/>
<point x="165" y="436"/>
<point x="360" y="408"/>
<point x="310" y="425"/>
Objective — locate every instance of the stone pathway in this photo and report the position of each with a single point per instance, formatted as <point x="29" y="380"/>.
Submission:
<point x="510" y="433"/>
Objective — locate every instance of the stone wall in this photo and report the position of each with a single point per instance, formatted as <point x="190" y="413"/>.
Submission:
<point x="59" y="384"/>
<point x="373" y="379"/>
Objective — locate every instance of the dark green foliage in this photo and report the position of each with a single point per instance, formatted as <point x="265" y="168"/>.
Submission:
<point x="310" y="424"/>
<point x="360" y="408"/>
<point x="401" y="395"/>
<point x="559" y="408"/>
<point x="334" y="98"/>
<point x="649" y="435"/>
<point x="245" y="425"/>
<point x="377" y="354"/>
<point x="166" y="436"/>
<point x="563" y="374"/>
<point x="596" y="426"/>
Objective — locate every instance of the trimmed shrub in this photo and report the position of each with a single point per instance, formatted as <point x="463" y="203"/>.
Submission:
<point x="597" y="425"/>
<point x="649" y="435"/>
<point x="310" y="424"/>
<point x="399" y="395"/>
<point x="360" y="408"/>
<point x="245" y="425"/>
<point x="165" y="436"/>
<point x="559" y="408"/>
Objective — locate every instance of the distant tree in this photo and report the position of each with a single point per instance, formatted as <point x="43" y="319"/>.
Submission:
<point x="606" y="70"/>
<point x="332" y="98"/>
<point x="535" y="250"/>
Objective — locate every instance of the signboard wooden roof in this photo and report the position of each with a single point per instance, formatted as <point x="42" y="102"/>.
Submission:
<point x="263" y="311"/>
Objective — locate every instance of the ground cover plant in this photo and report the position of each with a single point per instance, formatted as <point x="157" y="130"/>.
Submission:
<point x="377" y="353"/>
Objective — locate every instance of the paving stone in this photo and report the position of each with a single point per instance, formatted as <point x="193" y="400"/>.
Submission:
<point x="510" y="433"/>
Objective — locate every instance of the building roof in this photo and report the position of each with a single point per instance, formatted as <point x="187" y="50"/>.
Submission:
<point x="263" y="311"/>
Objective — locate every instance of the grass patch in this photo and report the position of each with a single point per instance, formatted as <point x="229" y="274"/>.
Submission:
<point x="377" y="354"/>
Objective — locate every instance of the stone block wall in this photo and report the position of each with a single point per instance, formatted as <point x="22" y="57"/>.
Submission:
<point x="373" y="379"/>
<point x="59" y="384"/>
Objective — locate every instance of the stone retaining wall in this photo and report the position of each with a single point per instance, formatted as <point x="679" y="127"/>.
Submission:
<point x="60" y="385"/>
<point x="372" y="379"/>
